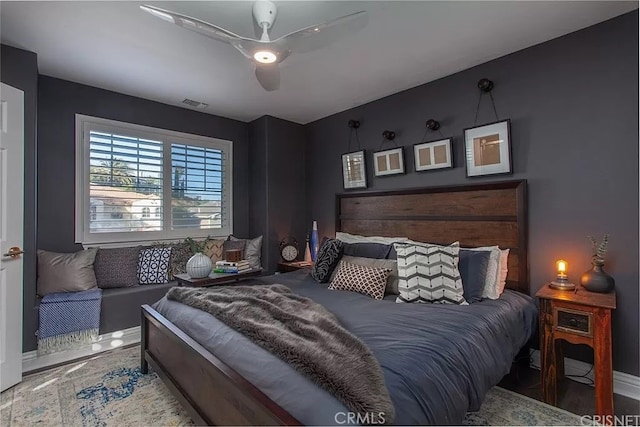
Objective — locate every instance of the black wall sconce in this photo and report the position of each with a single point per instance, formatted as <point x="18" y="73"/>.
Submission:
<point x="485" y="85"/>
<point x="389" y="135"/>
<point x="353" y="124"/>
<point x="433" y="124"/>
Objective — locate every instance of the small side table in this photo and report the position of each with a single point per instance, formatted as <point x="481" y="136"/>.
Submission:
<point x="285" y="267"/>
<point x="579" y="317"/>
<point x="215" y="278"/>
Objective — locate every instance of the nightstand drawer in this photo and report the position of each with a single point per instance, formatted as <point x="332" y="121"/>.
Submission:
<point x="573" y="321"/>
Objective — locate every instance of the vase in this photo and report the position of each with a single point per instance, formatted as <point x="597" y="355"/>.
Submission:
<point x="314" y="241"/>
<point x="596" y="279"/>
<point x="199" y="266"/>
<point x="307" y="252"/>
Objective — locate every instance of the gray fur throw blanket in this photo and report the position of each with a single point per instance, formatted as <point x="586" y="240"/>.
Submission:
<point x="303" y="334"/>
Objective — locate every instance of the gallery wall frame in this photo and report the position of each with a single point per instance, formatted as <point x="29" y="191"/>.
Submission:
<point x="433" y="155"/>
<point x="389" y="162"/>
<point x="488" y="149"/>
<point x="354" y="172"/>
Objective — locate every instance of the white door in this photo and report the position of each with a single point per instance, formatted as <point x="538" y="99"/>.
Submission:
<point x="11" y="231"/>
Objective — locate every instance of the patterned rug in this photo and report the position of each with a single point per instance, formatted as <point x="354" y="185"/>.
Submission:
<point x="109" y="390"/>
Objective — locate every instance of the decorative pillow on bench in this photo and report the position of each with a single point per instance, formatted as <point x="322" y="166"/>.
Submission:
<point x="66" y="272"/>
<point x="214" y="249"/>
<point x="117" y="267"/>
<point x="153" y="265"/>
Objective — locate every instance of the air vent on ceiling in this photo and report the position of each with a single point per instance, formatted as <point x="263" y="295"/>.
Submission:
<point x="196" y="104"/>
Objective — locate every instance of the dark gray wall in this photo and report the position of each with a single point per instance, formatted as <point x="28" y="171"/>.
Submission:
<point x="277" y="191"/>
<point x="573" y="104"/>
<point x="60" y="100"/>
<point x="19" y="68"/>
<point x="258" y="213"/>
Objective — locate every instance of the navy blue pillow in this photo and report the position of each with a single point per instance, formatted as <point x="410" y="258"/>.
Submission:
<point x="473" y="270"/>
<point x="367" y="250"/>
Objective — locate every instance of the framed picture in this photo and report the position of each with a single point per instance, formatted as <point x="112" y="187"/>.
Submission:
<point x="488" y="149"/>
<point x="389" y="162"/>
<point x="354" y="174"/>
<point x="433" y="155"/>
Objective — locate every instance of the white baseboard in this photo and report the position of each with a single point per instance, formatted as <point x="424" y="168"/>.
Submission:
<point x="623" y="384"/>
<point x="31" y="361"/>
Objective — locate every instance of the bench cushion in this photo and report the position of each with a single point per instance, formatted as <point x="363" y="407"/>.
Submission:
<point x="121" y="306"/>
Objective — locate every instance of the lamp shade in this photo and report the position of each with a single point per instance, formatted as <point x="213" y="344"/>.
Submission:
<point x="562" y="281"/>
<point x="562" y="266"/>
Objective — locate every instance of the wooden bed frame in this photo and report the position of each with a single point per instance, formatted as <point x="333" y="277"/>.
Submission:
<point x="476" y="215"/>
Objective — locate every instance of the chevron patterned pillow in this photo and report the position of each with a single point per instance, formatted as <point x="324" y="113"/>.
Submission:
<point x="357" y="278"/>
<point x="429" y="273"/>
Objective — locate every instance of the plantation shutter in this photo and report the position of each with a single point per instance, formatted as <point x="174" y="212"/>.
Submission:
<point x="135" y="183"/>
<point x="199" y="196"/>
<point x="125" y="183"/>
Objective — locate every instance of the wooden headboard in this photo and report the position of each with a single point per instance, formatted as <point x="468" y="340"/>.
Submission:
<point x="475" y="215"/>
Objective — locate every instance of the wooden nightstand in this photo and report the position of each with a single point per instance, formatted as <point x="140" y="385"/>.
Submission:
<point x="580" y="317"/>
<point x="285" y="267"/>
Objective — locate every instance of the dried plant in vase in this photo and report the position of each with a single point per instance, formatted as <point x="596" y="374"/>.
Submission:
<point x="596" y="279"/>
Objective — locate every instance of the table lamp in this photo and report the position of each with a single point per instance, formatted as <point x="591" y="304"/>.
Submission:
<point x="562" y="282"/>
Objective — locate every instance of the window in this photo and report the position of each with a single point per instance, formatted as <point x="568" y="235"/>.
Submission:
<point x="136" y="183"/>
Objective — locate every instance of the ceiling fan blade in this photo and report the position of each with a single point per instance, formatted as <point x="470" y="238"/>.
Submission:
<point x="193" y="24"/>
<point x="268" y="76"/>
<point x="321" y="35"/>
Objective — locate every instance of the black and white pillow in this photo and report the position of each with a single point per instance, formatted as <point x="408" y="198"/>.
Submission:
<point x="153" y="265"/>
<point x="369" y="281"/>
<point x="326" y="260"/>
<point x="429" y="273"/>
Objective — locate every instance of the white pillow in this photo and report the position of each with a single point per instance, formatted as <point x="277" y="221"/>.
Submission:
<point x="355" y="238"/>
<point x="504" y="269"/>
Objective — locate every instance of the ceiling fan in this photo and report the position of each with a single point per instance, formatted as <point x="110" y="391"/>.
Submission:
<point x="267" y="53"/>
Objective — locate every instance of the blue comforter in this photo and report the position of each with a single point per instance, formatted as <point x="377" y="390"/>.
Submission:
<point x="438" y="360"/>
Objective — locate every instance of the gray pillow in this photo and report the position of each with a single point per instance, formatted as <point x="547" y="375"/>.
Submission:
<point x="367" y="250"/>
<point x="252" y="250"/>
<point x="117" y="267"/>
<point x="473" y="270"/>
<point x="72" y="272"/>
<point x="389" y="264"/>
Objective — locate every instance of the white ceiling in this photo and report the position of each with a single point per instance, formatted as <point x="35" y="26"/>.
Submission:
<point x="116" y="46"/>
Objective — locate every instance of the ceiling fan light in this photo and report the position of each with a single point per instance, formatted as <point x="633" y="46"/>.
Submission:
<point x="265" y="57"/>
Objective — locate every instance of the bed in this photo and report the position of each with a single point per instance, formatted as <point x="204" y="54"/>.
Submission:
<point x="456" y="352"/>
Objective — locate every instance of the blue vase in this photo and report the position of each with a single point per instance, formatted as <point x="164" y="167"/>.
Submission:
<point x="314" y="241"/>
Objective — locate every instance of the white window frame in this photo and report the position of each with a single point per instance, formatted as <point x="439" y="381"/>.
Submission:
<point x="85" y="124"/>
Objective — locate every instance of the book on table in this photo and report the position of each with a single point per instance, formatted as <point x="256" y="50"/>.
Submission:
<point x="232" y="266"/>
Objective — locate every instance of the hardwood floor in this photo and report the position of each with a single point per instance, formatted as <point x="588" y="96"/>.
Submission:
<point x="572" y="396"/>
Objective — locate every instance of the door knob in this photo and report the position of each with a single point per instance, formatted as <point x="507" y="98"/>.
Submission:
<point x="13" y="252"/>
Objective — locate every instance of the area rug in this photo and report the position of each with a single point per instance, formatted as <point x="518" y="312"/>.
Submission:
<point x="110" y="390"/>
